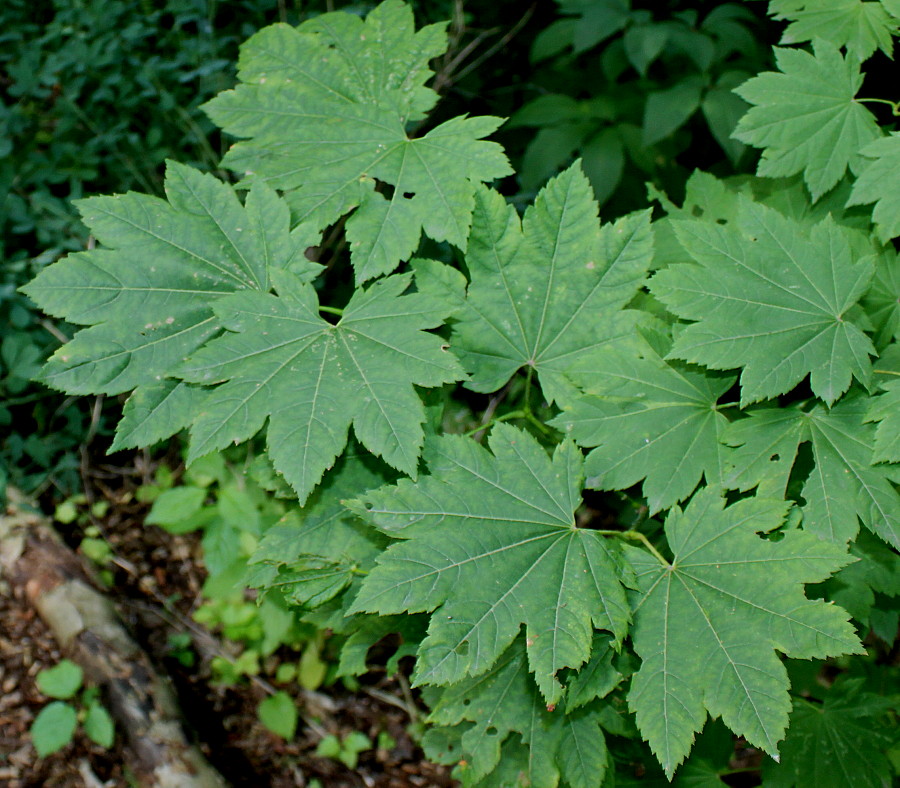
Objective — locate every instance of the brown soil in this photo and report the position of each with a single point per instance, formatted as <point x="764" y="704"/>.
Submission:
<point x="157" y="578"/>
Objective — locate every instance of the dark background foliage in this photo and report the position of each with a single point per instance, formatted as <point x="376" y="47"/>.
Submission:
<point x="95" y="95"/>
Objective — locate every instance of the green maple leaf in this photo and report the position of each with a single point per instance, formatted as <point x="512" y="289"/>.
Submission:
<point x="560" y="744"/>
<point x="707" y="625"/>
<point x="490" y="543"/>
<point x="771" y="295"/>
<point x="784" y="9"/>
<point x="854" y="588"/>
<point x="882" y="302"/>
<point x="885" y="408"/>
<point x="649" y="420"/>
<point x="843" y="486"/>
<point x="282" y="362"/>
<point x="877" y="183"/>
<point x="154" y="412"/>
<point x="323" y="111"/>
<point x="716" y="200"/>
<point x="547" y="289"/>
<point x="312" y="555"/>
<point x="861" y="27"/>
<point x="148" y="295"/>
<point x="840" y="742"/>
<point x="597" y="678"/>
<point x="806" y="117"/>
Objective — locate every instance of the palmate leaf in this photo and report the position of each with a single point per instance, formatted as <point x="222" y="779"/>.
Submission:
<point x="546" y="290"/>
<point x="490" y="543"/>
<point x="806" y="117"/>
<point x="716" y="200"/>
<point x="882" y="302"/>
<point x="649" y="420"/>
<point x="503" y="705"/>
<point x="841" y="742"/>
<point x="861" y="27"/>
<point x="282" y="362"/>
<point x="148" y="295"/>
<point x="312" y="555"/>
<point x="771" y="295"/>
<point x="323" y="111"/>
<point x="597" y="678"/>
<point x="877" y="183"/>
<point x="843" y="486"/>
<point x="154" y="412"/>
<point x="884" y="409"/>
<point x="854" y="588"/>
<point x="707" y="625"/>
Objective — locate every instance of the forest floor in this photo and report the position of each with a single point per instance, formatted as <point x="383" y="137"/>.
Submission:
<point x="156" y="585"/>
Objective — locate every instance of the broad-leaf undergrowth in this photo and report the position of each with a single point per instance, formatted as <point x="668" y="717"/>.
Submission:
<point x="691" y="423"/>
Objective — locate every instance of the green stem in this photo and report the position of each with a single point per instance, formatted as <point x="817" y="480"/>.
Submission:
<point x="886" y="372"/>
<point x="735" y="404"/>
<point x="333" y="310"/>
<point x="894" y="105"/>
<point x="548" y="431"/>
<point x="24" y="400"/>
<point x="526" y="406"/>
<point x="193" y="128"/>
<point x="529" y="374"/>
<point x="636" y="536"/>
<point x="514" y="414"/>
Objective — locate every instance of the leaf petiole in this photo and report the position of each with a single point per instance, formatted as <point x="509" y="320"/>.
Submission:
<point x="529" y="374"/>
<point x="527" y="412"/>
<point x="542" y="428"/>
<point x="513" y="414"/>
<point x="333" y="310"/>
<point x="894" y="105"/>
<point x="637" y="536"/>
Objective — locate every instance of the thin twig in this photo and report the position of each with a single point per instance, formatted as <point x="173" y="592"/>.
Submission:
<point x="499" y="45"/>
<point x="407" y="694"/>
<point x="392" y="700"/>
<point x="83" y="451"/>
<point x="488" y="415"/>
<point x="206" y="150"/>
<point x="51" y="329"/>
<point x="96" y="410"/>
<point x="207" y="642"/>
<point x="445" y="76"/>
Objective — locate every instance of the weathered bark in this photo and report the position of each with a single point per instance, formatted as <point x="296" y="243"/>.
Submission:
<point x="90" y="632"/>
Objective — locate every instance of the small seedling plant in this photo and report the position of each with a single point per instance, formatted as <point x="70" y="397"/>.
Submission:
<point x="613" y="485"/>
<point x="55" y="725"/>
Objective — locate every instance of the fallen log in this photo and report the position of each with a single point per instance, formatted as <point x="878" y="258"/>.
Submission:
<point x="34" y="560"/>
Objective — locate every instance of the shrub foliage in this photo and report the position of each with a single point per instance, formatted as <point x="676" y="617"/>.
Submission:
<point x="609" y="481"/>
